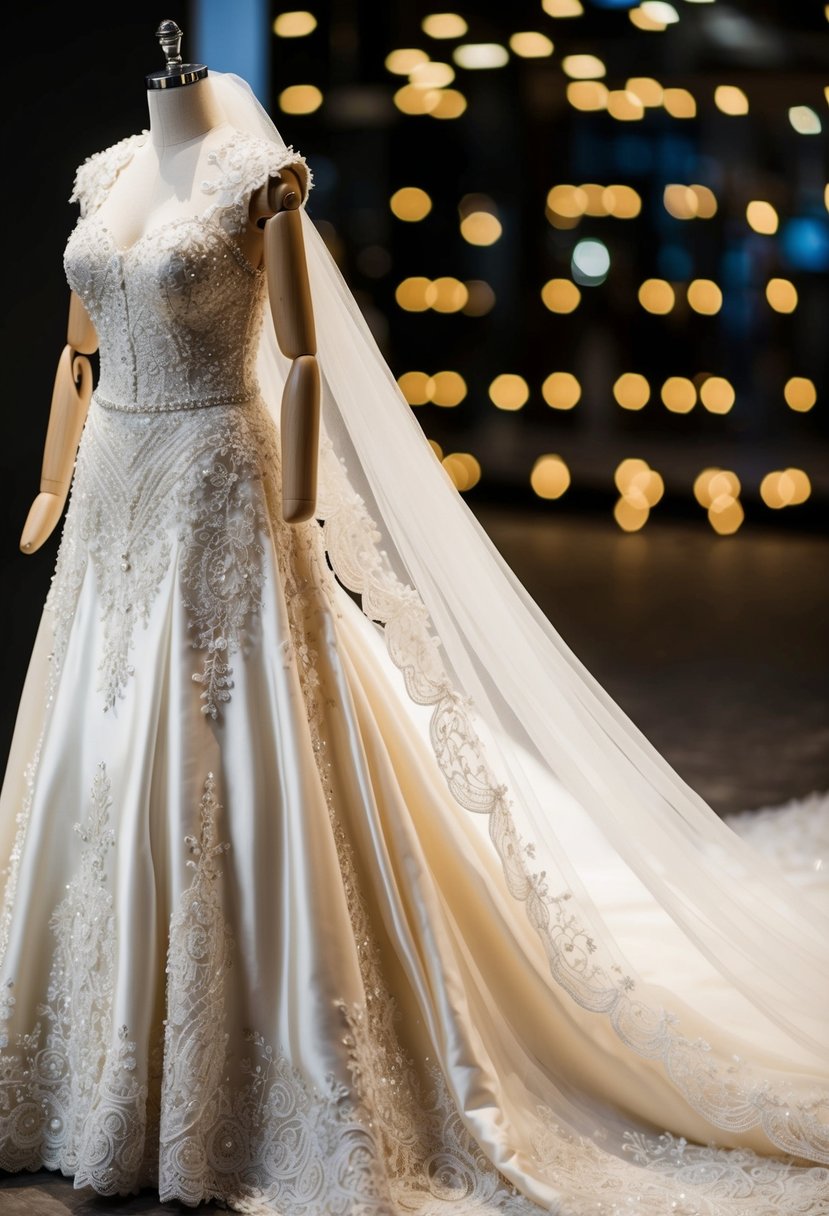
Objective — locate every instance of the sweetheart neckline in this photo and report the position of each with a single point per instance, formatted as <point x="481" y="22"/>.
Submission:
<point x="200" y="218"/>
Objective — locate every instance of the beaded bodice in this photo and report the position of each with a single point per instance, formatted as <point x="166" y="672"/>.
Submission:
<point x="178" y="312"/>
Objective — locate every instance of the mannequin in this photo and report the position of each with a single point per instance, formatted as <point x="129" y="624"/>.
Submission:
<point x="184" y="114"/>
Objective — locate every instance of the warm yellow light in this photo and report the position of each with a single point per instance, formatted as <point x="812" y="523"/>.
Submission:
<point x="805" y="120"/>
<point x="583" y="67"/>
<point x="762" y="217"/>
<point x="531" y="45"/>
<point x="446" y="294"/>
<point x="642" y="21"/>
<point x="648" y="90"/>
<point x="632" y="391"/>
<point x="444" y="25"/>
<point x="725" y="515"/>
<point x="717" y="395"/>
<point x="713" y="484"/>
<point x="481" y="298"/>
<point x="622" y="202"/>
<point x="472" y="466"/>
<point x="595" y="199"/>
<point x="294" y="25"/>
<point x="650" y="485"/>
<point x="475" y="55"/>
<point x="703" y="485"/>
<point x="679" y="394"/>
<point x="410" y="203"/>
<point x="630" y="515"/>
<point x="560" y="295"/>
<point x="569" y="201"/>
<point x="405" y="60"/>
<point x="561" y="390"/>
<point x="432" y="75"/>
<point x="412" y="100"/>
<point x="624" y="105"/>
<point x="679" y="103"/>
<point x="680" y="201"/>
<point x="480" y="228"/>
<point x="300" y="99"/>
<point x="508" y="391"/>
<point x="411" y="293"/>
<point x="562" y="8"/>
<point x="706" y="202"/>
<point x="657" y="296"/>
<point x="587" y="94"/>
<point x="414" y="387"/>
<point x="730" y="99"/>
<point x="782" y="295"/>
<point x="627" y="471"/>
<point x="800" y="394"/>
<point x="463" y="468"/>
<point x="436" y="448"/>
<point x="550" y="476"/>
<point x="450" y="104"/>
<point x="446" y="388"/>
<point x="802" y="486"/>
<point x="826" y="197"/>
<point x="704" y="296"/>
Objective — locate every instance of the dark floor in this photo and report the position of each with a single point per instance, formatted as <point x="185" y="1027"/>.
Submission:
<point x="716" y="647"/>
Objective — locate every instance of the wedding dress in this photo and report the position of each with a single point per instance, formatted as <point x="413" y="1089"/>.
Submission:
<point x="280" y="924"/>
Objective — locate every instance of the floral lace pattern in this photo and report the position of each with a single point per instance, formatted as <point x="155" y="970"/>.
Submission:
<point x="143" y="484"/>
<point x="178" y="459"/>
<point x="726" y="1091"/>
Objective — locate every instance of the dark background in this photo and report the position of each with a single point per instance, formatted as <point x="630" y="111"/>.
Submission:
<point x="75" y="84"/>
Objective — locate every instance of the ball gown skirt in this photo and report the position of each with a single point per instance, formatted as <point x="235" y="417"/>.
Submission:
<point x="253" y="947"/>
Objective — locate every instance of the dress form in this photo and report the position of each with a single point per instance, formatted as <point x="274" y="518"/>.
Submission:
<point x="186" y="120"/>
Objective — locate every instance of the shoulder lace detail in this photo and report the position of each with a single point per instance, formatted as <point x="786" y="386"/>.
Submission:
<point x="243" y="164"/>
<point x="96" y="175"/>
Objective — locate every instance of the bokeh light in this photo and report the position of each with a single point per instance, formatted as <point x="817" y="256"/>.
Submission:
<point x="410" y="203"/>
<point x="509" y="391"/>
<point x="550" y="476"/>
<point x="561" y="390"/>
<point x="632" y="391"/>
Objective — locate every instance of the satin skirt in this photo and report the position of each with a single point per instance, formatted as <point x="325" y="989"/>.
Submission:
<point x="264" y="956"/>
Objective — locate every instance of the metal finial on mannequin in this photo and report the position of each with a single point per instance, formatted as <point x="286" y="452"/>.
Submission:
<point x="175" y="72"/>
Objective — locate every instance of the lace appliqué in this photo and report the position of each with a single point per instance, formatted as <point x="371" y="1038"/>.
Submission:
<point x="94" y="177"/>
<point x="141" y="483"/>
<point x="243" y="164"/>
<point x="71" y="1101"/>
<point x="725" y="1091"/>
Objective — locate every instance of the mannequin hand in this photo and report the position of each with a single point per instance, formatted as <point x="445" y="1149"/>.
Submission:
<point x="40" y="523"/>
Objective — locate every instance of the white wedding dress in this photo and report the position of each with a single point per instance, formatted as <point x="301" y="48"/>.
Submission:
<point x="259" y="941"/>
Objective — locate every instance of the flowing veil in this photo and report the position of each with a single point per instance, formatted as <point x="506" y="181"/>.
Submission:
<point x="656" y="918"/>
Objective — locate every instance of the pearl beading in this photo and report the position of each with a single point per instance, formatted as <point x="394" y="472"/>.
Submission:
<point x="164" y="407"/>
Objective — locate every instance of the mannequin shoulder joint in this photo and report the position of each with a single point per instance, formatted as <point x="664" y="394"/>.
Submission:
<point x="281" y="192"/>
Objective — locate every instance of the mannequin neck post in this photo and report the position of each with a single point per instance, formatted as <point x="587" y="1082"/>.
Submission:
<point x="182" y="113"/>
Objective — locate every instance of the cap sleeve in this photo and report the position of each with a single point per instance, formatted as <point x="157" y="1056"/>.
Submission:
<point x="95" y="176"/>
<point x="243" y="164"/>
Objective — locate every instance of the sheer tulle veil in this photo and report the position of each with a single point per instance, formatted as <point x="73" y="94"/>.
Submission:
<point x="727" y="984"/>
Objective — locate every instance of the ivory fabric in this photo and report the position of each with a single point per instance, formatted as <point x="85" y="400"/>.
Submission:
<point x="253" y="946"/>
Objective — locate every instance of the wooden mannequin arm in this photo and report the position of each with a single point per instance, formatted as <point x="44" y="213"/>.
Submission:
<point x="276" y="207"/>
<point x="70" y="402"/>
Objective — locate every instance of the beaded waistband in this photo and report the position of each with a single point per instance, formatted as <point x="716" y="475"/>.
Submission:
<point x="164" y="407"/>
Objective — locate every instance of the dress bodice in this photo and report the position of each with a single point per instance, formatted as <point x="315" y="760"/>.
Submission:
<point x="178" y="312"/>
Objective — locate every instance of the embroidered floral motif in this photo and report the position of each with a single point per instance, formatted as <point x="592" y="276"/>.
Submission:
<point x="70" y="1100"/>
<point x="244" y="164"/>
<point x="96" y="175"/>
<point x="725" y="1091"/>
